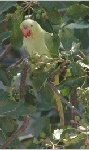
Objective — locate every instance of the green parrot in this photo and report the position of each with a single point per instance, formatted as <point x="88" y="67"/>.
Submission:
<point x="35" y="39"/>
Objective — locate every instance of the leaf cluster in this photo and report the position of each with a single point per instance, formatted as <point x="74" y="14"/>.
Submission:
<point x="68" y="24"/>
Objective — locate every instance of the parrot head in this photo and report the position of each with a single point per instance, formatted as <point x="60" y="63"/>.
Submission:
<point x="30" y="28"/>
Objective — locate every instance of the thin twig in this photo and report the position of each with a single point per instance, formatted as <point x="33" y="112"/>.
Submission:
<point x="15" y="64"/>
<point x="6" y="52"/>
<point x="22" y="94"/>
<point x="63" y="99"/>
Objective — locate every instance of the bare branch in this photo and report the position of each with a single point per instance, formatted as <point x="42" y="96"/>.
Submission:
<point x="63" y="99"/>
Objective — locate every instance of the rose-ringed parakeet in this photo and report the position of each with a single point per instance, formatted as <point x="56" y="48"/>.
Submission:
<point x="34" y="37"/>
<point x="34" y="40"/>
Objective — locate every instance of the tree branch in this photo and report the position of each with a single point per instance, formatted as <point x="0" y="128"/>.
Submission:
<point x="6" y="52"/>
<point x="15" y="64"/>
<point x="22" y="94"/>
<point x="16" y="134"/>
<point x="63" y="99"/>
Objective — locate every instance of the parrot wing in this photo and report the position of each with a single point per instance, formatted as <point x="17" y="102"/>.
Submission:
<point x="49" y="41"/>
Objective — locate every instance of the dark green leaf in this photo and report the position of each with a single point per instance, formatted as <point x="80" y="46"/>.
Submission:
<point x="45" y="106"/>
<point x="45" y="94"/>
<point x="70" y="82"/>
<point x="40" y="125"/>
<point x="78" y="11"/>
<point x="5" y="35"/>
<point x="82" y="35"/>
<point x="7" y="104"/>
<point x="45" y="24"/>
<point x="56" y="43"/>
<point x="2" y="137"/>
<point x="4" y="77"/>
<point x="75" y="69"/>
<point x="67" y="38"/>
<point x="76" y="142"/>
<point x="8" y="124"/>
<point x="39" y="78"/>
<point x="14" y="25"/>
<point x="15" y="144"/>
<point x="49" y="5"/>
<point x="9" y="107"/>
<point x="22" y="110"/>
<point x="54" y="17"/>
<point x="6" y="5"/>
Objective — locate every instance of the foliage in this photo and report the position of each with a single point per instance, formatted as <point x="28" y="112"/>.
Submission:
<point x="69" y="25"/>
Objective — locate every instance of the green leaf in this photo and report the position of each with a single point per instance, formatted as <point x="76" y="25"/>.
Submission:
<point x="65" y="92"/>
<point x="8" y="125"/>
<point x="67" y="38"/>
<point x="54" y="17"/>
<point x="9" y="107"/>
<point x="15" y="144"/>
<point x="40" y="125"/>
<point x="4" y="77"/>
<point x="6" y="5"/>
<point x="5" y="35"/>
<point x="80" y="33"/>
<point x="2" y="137"/>
<point x="77" y="142"/>
<point x="56" y="44"/>
<point x="86" y="60"/>
<point x="14" y="25"/>
<point x="45" y="94"/>
<point x="49" y="5"/>
<point x="39" y="78"/>
<point x="78" y="25"/>
<point x="45" y="106"/>
<point x="75" y="69"/>
<point x="46" y="25"/>
<point x="68" y="131"/>
<point x="70" y="82"/>
<point x="23" y="109"/>
<point x="7" y="104"/>
<point x="77" y="11"/>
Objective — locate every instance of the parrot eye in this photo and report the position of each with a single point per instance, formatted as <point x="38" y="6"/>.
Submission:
<point x="31" y="25"/>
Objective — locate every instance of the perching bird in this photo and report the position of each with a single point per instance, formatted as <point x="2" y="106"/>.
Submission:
<point x="34" y="37"/>
<point x="35" y="40"/>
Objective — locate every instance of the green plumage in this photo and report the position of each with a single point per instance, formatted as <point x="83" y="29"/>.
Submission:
<point x="38" y="40"/>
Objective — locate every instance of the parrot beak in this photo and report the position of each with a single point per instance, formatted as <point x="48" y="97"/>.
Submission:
<point x="26" y="32"/>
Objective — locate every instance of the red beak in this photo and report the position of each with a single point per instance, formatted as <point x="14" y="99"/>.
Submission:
<point x="26" y="32"/>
